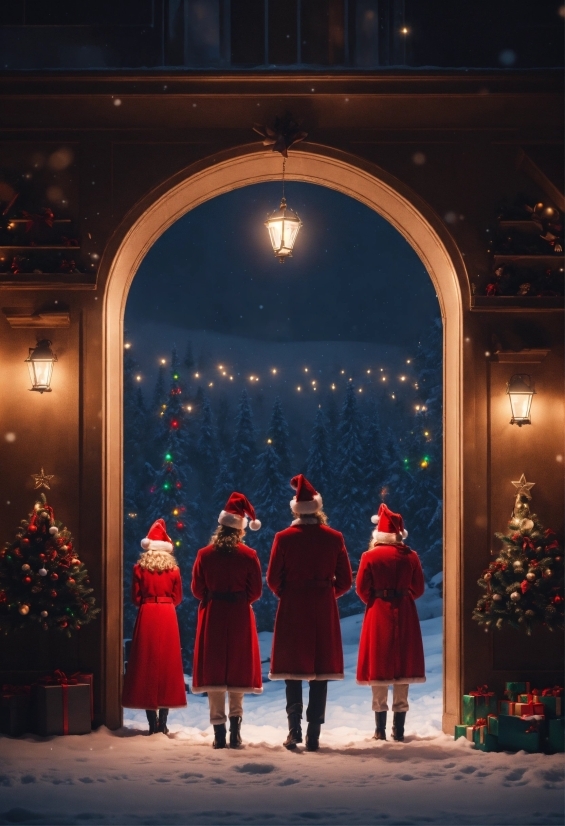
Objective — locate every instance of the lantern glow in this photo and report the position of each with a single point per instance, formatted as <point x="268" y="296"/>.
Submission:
<point x="283" y="225"/>
<point x="40" y="363"/>
<point x="520" y="390"/>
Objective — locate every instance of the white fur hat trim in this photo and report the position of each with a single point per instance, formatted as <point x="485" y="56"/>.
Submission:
<point x="255" y="524"/>
<point x="156" y="545"/>
<point x="307" y="506"/>
<point x="389" y="538"/>
<point x="232" y="520"/>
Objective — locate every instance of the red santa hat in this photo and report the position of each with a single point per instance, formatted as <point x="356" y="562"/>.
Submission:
<point x="307" y="499"/>
<point x="390" y="526"/>
<point x="157" y="538"/>
<point x="237" y="511"/>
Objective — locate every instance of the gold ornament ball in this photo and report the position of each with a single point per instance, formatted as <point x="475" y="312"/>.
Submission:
<point x="530" y="613"/>
<point x="23" y="609"/>
<point x="530" y="576"/>
<point x="547" y="572"/>
<point x="25" y="567"/>
<point x="497" y="597"/>
<point x="45" y="613"/>
<point x="515" y="596"/>
<point x="517" y="563"/>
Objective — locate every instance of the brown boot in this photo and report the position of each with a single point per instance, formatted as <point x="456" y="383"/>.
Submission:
<point x="380" y="721"/>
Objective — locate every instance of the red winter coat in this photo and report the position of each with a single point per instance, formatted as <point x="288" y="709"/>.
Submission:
<point x="226" y="652"/>
<point x="309" y="569"/>
<point x="154" y="677"/>
<point x="390" y="648"/>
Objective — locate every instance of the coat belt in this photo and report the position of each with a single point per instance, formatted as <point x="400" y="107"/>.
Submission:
<point x="167" y="600"/>
<point x="228" y="596"/>
<point x="391" y="593"/>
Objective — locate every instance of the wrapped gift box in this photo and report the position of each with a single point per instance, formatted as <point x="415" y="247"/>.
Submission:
<point x="15" y="710"/>
<point x="478" y="705"/>
<point x="553" y="705"/>
<point x="556" y="735"/>
<point x="88" y="678"/>
<point x="528" y="709"/>
<point x="513" y="689"/>
<point x="62" y="709"/>
<point x="520" y="734"/>
<point x="483" y="740"/>
<point x="460" y="731"/>
<point x="506" y="707"/>
<point x="492" y="723"/>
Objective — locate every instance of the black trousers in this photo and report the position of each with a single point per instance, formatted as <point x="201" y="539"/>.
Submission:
<point x="315" y="713"/>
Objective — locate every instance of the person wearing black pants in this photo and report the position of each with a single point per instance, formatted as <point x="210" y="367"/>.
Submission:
<point x="316" y="711"/>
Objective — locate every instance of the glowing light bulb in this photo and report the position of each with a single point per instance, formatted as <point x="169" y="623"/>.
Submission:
<point x="360" y="389"/>
<point x="368" y="371"/>
<point x="220" y="366"/>
<point x="211" y="384"/>
<point x="408" y="361"/>
<point x="426" y="433"/>
<point x="417" y="407"/>
<point x="127" y="346"/>
<point x="384" y="378"/>
<point x="189" y="407"/>
<point x="197" y="375"/>
<point x="333" y="386"/>
<point x="176" y="512"/>
<point x="231" y="378"/>
<point x="175" y="376"/>
<point x="138" y="378"/>
<point x="163" y="361"/>
<point x="269" y="441"/>
<point x="274" y="370"/>
<point x="168" y="457"/>
<point x="299" y="389"/>
<point x="402" y="378"/>
<point x="305" y="369"/>
<point x="342" y="372"/>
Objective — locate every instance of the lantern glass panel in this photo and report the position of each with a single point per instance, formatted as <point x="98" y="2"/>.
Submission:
<point x="40" y="372"/>
<point x="520" y="392"/>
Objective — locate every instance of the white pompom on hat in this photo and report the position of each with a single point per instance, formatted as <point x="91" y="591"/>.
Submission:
<point x="390" y="526"/>
<point x="307" y="499"/>
<point x="237" y="511"/>
<point x="157" y="538"/>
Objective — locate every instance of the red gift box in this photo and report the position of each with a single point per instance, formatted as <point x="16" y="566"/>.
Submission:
<point x="86" y="677"/>
<point x="62" y="705"/>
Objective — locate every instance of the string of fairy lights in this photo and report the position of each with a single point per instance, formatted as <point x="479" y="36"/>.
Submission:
<point x="222" y="374"/>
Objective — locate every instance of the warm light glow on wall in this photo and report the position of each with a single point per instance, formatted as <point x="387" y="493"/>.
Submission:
<point x="520" y="390"/>
<point x="40" y="363"/>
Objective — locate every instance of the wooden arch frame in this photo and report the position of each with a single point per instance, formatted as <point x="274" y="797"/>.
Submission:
<point x="424" y="231"/>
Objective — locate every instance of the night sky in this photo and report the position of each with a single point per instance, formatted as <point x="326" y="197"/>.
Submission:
<point x="352" y="277"/>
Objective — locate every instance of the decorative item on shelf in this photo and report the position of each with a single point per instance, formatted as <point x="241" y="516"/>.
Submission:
<point x="529" y="563"/>
<point x="520" y="390"/>
<point x="45" y="600"/>
<point x="40" y="362"/>
<point x="283" y="226"/>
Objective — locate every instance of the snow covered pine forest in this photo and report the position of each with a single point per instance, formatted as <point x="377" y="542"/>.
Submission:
<point x="185" y="451"/>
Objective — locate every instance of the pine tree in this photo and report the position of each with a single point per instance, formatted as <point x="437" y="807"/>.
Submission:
<point x="318" y="465"/>
<point x="206" y="466"/>
<point x="352" y="510"/>
<point x="223" y="486"/>
<point x="278" y="435"/>
<point x="42" y="580"/>
<point x="243" y="450"/>
<point x="374" y="470"/>
<point x="271" y="504"/>
<point x="524" y="584"/>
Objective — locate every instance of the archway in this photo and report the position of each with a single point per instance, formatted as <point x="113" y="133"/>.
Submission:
<point x="423" y="230"/>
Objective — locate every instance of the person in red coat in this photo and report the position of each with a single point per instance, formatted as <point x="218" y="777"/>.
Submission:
<point x="308" y="570"/>
<point x="389" y="579"/>
<point x="226" y="578"/>
<point x="155" y="678"/>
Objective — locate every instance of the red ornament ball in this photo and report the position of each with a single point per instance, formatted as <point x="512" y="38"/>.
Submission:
<point x="75" y="561"/>
<point x="24" y="542"/>
<point x="70" y="581"/>
<point x="27" y="580"/>
<point x="63" y="623"/>
<point x="557" y="599"/>
<point x="32" y="529"/>
<point x="41" y="556"/>
<point x="180" y="526"/>
<point x="53" y="594"/>
<point x="178" y="485"/>
<point x="54" y="576"/>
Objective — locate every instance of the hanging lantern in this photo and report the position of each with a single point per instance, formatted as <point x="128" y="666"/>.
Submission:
<point x="40" y="363"/>
<point x="283" y="225"/>
<point x="520" y="390"/>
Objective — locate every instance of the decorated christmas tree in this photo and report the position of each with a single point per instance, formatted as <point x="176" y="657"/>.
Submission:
<point x="42" y="580"/>
<point x="524" y="585"/>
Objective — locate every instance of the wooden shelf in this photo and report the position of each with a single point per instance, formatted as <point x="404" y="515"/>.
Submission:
<point x="49" y="281"/>
<point x="50" y="319"/>
<point x="517" y="303"/>
<point x="33" y="247"/>
<point x="25" y="220"/>
<point x="542" y="260"/>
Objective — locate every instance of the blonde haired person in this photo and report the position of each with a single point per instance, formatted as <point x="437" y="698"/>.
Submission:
<point x="391" y="652"/>
<point x="226" y="578"/>
<point x="154" y="679"/>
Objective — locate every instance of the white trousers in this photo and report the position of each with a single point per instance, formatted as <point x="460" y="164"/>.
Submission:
<point x="399" y="697"/>
<point x="217" y="703"/>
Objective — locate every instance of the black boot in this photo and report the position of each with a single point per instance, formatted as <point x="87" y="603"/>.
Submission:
<point x="152" y="720"/>
<point x="162" y="726"/>
<point x="380" y="721"/>
<point x="219" y="736"/>
<point x="294" y="731"/>
<point x="398" y="725"/>
<point x="313" y="736"/>
<point x="235" y="732"/>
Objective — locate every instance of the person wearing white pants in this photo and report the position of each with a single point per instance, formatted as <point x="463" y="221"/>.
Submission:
<point x="217" y="703"/>
<point x="399" y="697"/>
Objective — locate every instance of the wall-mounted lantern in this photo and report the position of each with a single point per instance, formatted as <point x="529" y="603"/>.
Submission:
<point x="40" y="363"/>
<point x="520" y="391"/>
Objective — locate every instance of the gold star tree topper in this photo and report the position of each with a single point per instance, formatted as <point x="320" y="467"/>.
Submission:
<point x="41" y="480"/>
<point x="523" y="487"/>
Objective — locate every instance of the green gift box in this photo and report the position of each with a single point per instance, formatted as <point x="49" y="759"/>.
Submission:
<point x="517" y="734"/>
<point x="513" y="689"/>
<point x="506" y="707"/>
<point x="492" y="723"/>
<point x="553" y="705"/>
<point x="483" y="740"/>
<point x="476" y="706"/>
<point x="460" y="731"/>
<point x="556" y="734"/>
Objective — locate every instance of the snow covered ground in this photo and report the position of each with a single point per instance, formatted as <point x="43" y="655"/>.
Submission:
<point x="126" y="777"/>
